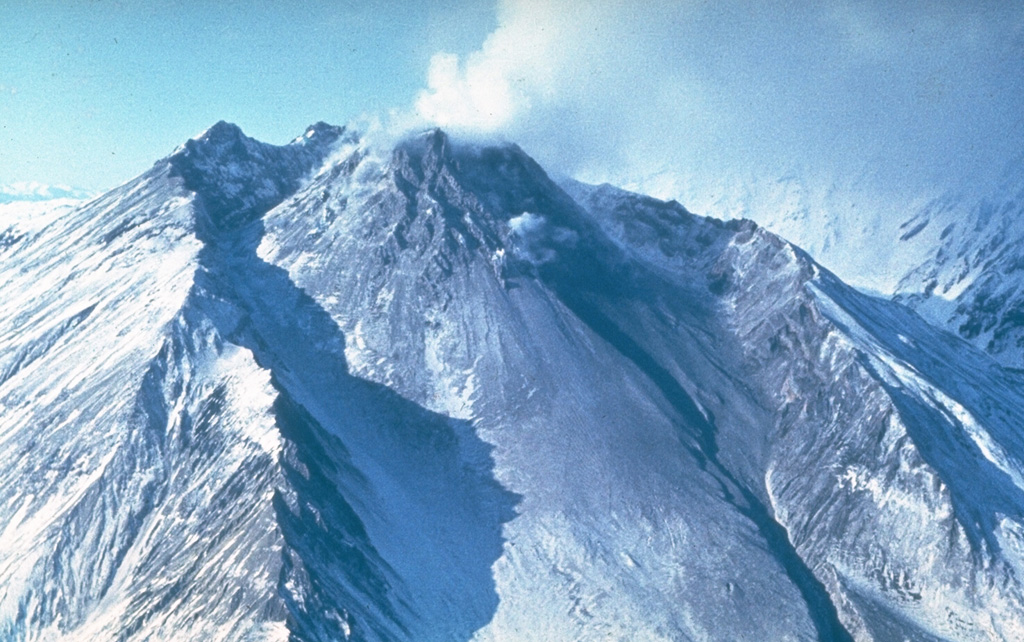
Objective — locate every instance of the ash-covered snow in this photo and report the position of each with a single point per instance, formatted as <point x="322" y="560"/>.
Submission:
<point x="330" y="391"/>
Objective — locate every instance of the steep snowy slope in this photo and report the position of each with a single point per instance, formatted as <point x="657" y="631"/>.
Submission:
<point x="893" y="457"/>
<point x="651" y="302"/>
<point x="973" y="279"/>
<point x="330" y="391"/>
<point x="429" y="263"/>
<point x="845" y="223"/>
<point x="953" y="256"/>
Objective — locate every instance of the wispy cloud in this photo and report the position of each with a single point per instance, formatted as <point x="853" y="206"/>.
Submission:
<point x="915" y="94"/>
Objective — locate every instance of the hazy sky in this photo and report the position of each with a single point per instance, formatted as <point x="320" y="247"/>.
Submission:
<point x="917" y="94"/>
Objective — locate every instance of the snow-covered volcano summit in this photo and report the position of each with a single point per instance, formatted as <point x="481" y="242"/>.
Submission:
<point x="326" y="391"/>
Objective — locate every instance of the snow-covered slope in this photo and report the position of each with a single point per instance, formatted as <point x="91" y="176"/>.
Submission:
<point x="953" y="256"/>
<point x="973" y="280"/>
<point x="847" y="224"/>
<point x="330" y="391"/>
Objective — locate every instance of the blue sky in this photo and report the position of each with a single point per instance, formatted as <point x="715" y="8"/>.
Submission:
<point x="916" y="94"/>
<point x="93" y="92"/>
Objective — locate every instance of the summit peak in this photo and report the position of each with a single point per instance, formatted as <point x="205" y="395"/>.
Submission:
<point x="319" y="130"/>
<point x="220" y="131"/>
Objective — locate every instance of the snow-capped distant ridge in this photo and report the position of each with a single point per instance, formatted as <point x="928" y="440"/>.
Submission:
<point x="953" y="254"/>
<point x="839" y="221"/>
<point x="36" y="191"/>
<point x="972" y="280"/>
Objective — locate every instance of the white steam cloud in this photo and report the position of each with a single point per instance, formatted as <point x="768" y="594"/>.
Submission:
<point x="627" y="91"/>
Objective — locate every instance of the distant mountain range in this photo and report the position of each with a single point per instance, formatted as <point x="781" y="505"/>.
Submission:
<point x="334" y="391"/>
<point x="33" y="191"/>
